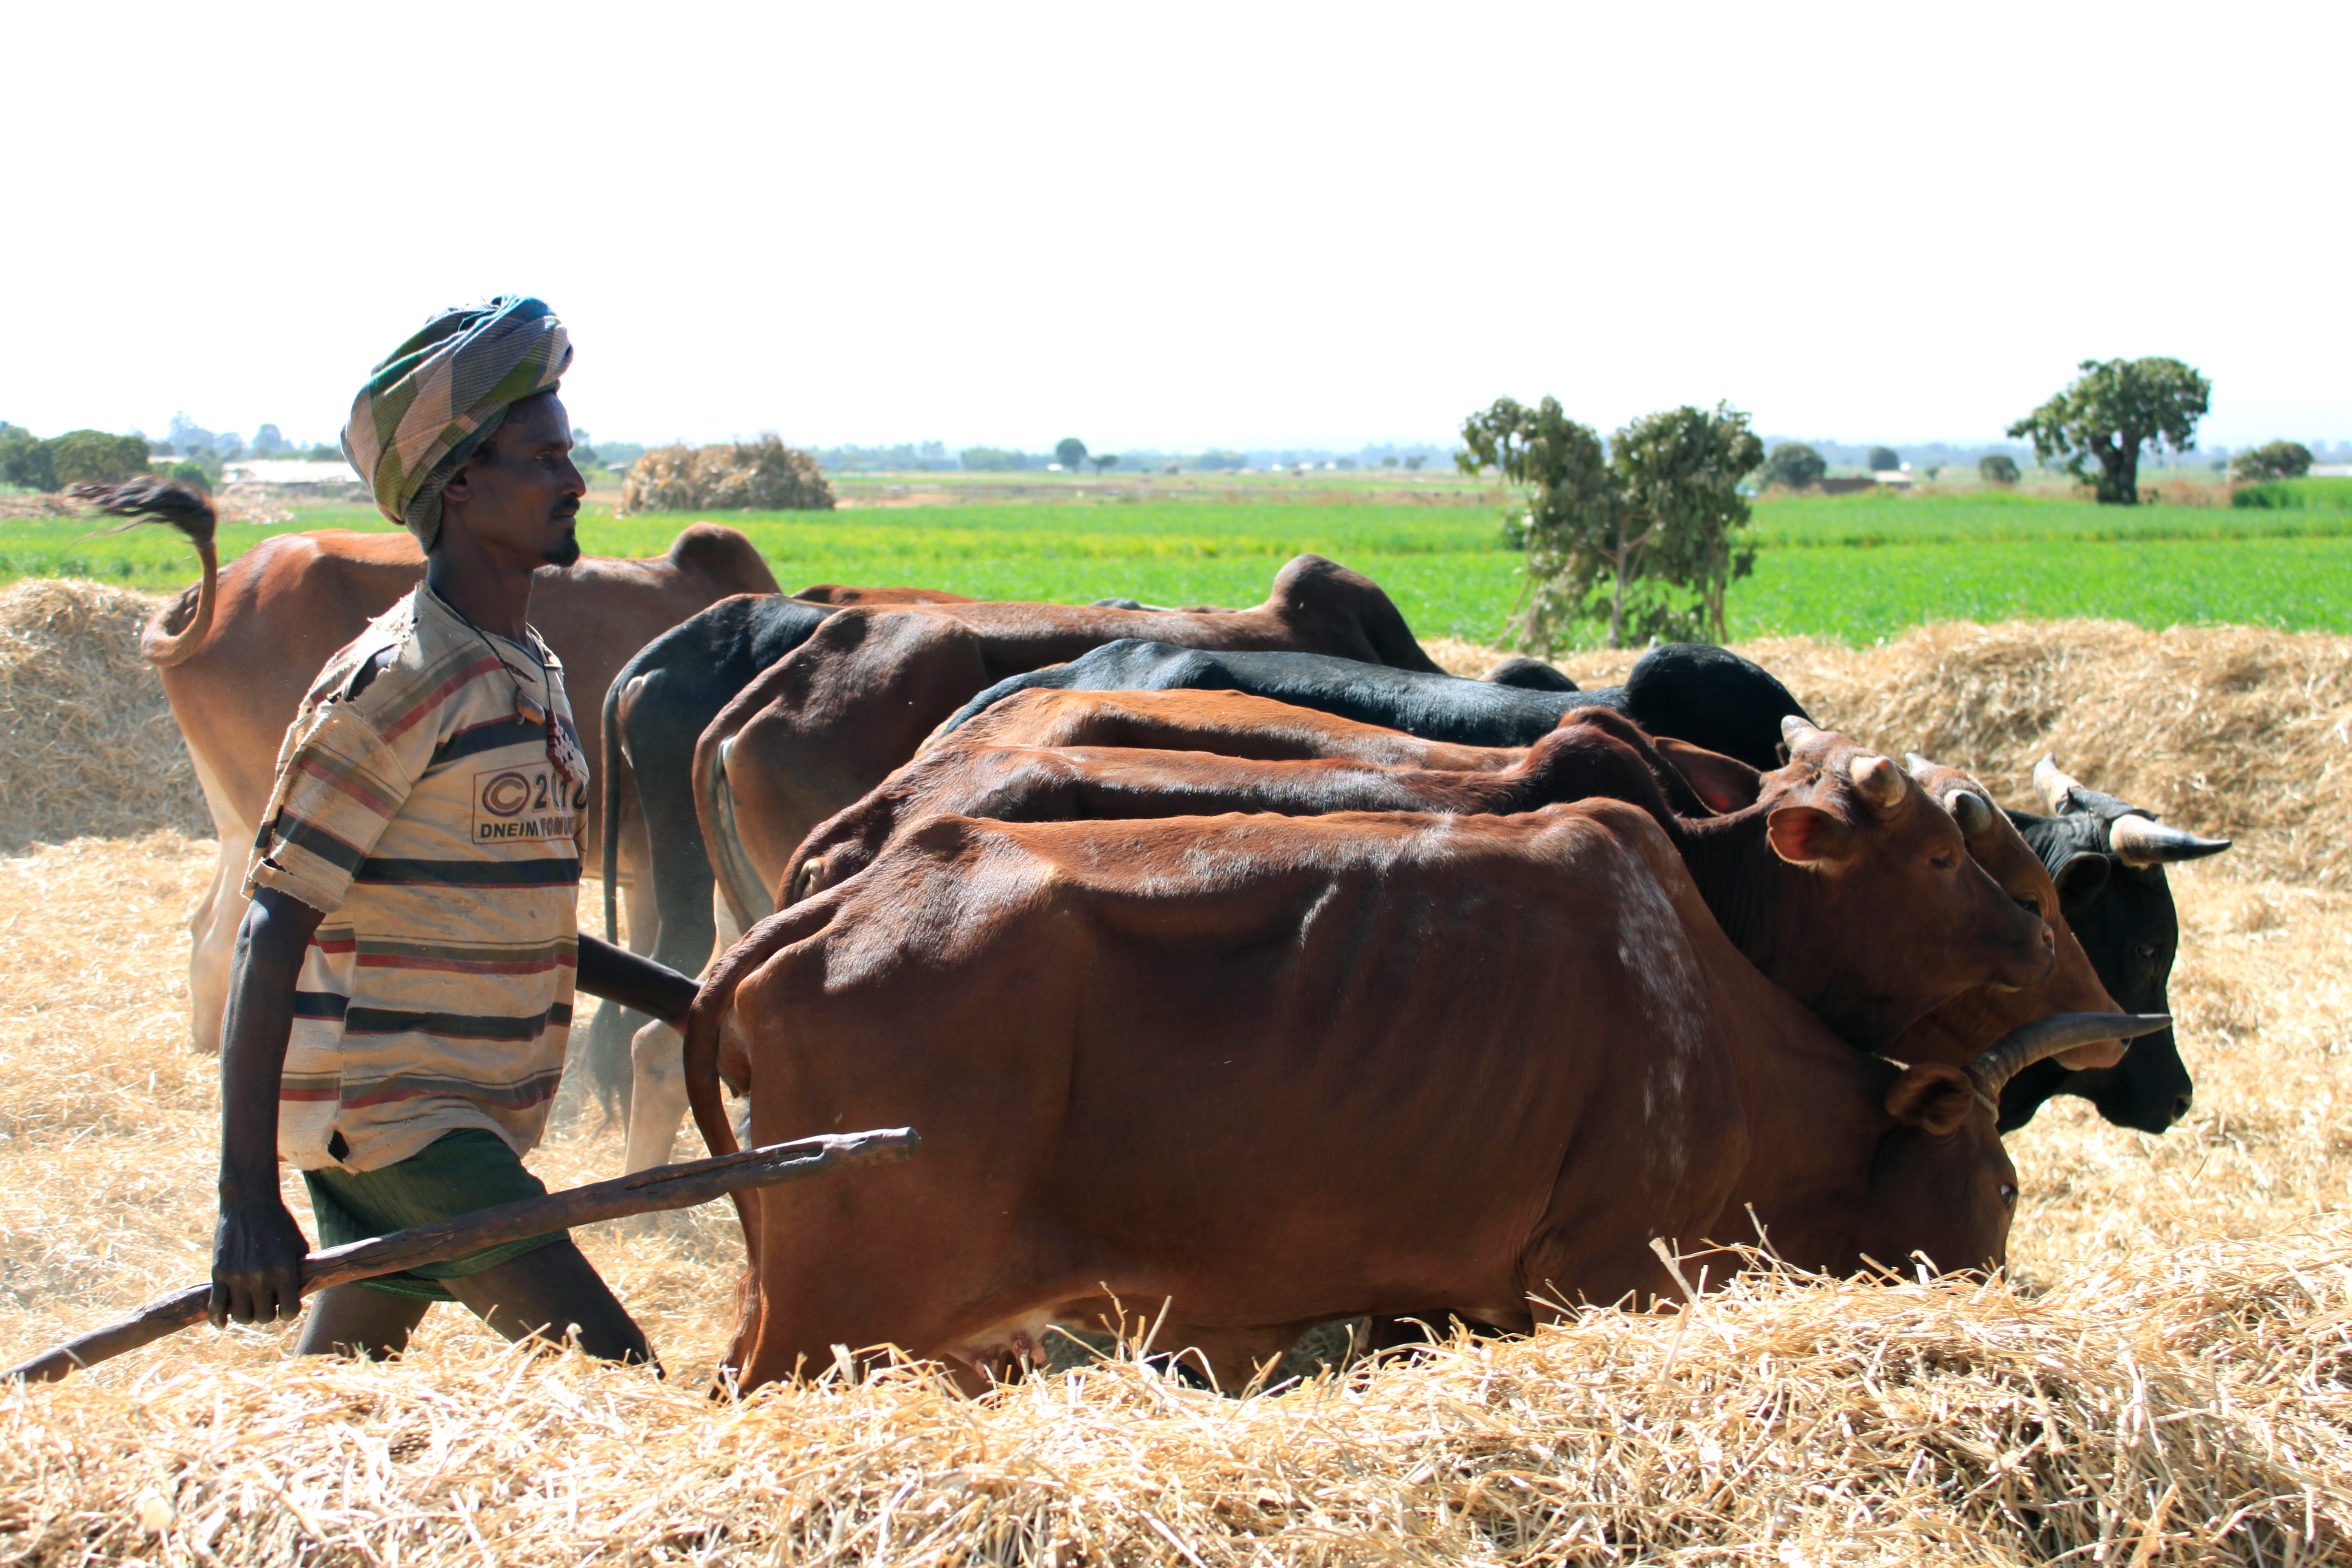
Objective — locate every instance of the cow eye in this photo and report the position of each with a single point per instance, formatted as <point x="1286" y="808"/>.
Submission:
<point x="1945" y="861"/>
<point x="2146" y="950"/>
<point x="2031" y="905"/>
<point x="2009" y="1194"/>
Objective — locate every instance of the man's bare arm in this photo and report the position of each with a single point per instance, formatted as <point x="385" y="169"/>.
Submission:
<point x="257" y="1250"/>
<point x="634" y="980"/>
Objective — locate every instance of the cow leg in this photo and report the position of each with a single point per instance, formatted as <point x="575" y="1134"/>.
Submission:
<point x="212" y="925"/>
<point x="1232" y="1359"/>
<point x="657" y="1095"/>
<point x="212" y="929"/>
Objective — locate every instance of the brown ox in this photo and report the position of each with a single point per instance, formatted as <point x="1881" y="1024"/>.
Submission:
<point x="1274" y="1071"/>
<point x="238" y="651"/>
<point x="830" y="720"/>
<point x="842" y="597"/>
<point x="1759" y="886"/>
<point x="1230" y="723"/>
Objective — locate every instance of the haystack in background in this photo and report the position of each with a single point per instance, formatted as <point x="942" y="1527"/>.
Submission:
<point x="87" y="745"/>
<point x="763" y="475"/>
<point x="2230" y="730"/>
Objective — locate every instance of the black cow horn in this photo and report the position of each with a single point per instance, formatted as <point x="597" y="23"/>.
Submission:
<point x="1972" y="811"/>
<point x="2020" y="1048"/>
<point x="2144" y="841"/>
<point x="2053" y="784"/>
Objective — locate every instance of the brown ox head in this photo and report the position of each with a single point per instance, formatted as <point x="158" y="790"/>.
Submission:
<point x="1940" y="1184"/>
<point x="1893" y="918"/>
<point x="1968" y="1023"/>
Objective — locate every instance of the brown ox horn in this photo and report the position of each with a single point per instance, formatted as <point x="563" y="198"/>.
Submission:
<point x="2020" y="1048"/>
<point x="2144" y="841"/>
<point x="1972" y="811"/>
<point x="2052" y="784"/>
<point x="1878" y="780"/>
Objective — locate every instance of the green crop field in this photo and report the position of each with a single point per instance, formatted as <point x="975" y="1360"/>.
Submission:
<point x="1851" y="568"/>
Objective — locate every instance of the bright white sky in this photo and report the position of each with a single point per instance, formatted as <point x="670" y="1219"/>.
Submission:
<point x="1182" y="225"/>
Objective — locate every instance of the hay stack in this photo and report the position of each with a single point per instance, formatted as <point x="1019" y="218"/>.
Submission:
<point x="2189" y="1410"/>
<point x="2230" y="730"/>
<point x="762" y="475"/>
<point x="89" y="747"/>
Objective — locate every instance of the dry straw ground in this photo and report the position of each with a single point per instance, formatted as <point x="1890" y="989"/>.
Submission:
<point x="2167" y="1378"/>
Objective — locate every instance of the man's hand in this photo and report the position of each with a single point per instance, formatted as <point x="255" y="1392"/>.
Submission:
<point x="635" y="981"/>
<point x="256" y="1263"/>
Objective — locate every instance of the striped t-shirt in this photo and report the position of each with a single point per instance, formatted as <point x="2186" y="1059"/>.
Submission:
<point x="427" y="815"/>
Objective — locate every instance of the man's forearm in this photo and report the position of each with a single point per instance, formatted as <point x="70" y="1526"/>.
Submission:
<point x="260" y="1018"/>
<point x="635" y="981"/>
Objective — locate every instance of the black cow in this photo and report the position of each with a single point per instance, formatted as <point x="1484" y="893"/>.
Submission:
<point x="1533" y="674"/>
<point x="2108" y="858"/>
<point x="654" y="712"/>
<point x="1708" y="696"/>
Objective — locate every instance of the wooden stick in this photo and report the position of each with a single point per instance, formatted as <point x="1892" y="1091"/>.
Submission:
<point x="677" y="1186"/>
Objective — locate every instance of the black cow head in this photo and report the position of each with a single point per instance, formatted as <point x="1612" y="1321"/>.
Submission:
<point x="2108" y="858"/>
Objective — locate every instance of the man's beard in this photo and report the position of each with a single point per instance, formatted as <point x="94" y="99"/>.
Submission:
<point x="564" y="551"/>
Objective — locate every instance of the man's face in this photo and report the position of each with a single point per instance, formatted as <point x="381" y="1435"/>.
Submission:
<point x="518" y="500"/>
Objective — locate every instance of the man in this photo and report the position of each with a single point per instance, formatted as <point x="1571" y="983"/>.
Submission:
<point x="403" y="982"/>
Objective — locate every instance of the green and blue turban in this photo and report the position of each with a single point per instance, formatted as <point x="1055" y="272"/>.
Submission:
<point x="433" y="402"/>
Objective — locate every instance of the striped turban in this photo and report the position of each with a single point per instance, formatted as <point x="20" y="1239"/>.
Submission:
<point x="433" y="402"/>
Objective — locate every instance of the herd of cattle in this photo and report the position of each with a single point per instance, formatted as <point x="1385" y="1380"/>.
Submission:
<point x="1243" y="961"/>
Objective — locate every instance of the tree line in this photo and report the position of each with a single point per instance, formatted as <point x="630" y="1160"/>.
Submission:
<point x="1641" y="532"/>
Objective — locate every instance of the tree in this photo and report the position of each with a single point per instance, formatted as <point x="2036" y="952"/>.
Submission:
<point x="1613" y="534"/>
<point x="1997" y="468"/>
<point x="2113" y="411"/>
<point x="93" y="457"/>
<point x="1103" y="460"/>
<point x="1795" y="466"/>
<point x="24" y="459"/>
<point x="993" y="460"/>
<point x="1070" y="452"/>
<point x="1415" y="461"/>
<point x="1573" y="522"/>
<point x="1885" y="460"/>
<point x="2276" y="460"/>
<point x="1681" y="471"/>
<point x="268" y="443"/>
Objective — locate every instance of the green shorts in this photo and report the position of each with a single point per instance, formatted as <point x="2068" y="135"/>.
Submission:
<point x="457" y="1173"/>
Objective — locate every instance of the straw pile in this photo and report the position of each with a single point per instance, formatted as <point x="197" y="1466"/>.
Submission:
<point x="90" y="746"/>
<point x="2167" y="1379"/>
<point x="2228" y="730"/>
<point x="762" y="475"/>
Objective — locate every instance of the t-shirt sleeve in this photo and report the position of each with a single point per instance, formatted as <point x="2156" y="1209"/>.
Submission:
<point x="338" y="785"/>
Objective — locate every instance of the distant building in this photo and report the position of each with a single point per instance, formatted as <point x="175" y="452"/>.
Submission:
<point x="288" y="471"/>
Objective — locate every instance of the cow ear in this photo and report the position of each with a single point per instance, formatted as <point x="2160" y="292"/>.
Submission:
<point x="1810" y="836"/>
<point x="2081" y="878"/>
<point x="1932" y="1097"/>
<point x="1724" y="783"/>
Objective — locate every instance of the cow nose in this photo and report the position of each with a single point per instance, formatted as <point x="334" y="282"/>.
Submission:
<point x="2181" y="1103"/>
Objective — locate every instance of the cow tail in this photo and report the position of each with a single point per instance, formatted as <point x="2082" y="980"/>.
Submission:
<point x="714" y="807"/>
<point x="189" y="510"/>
